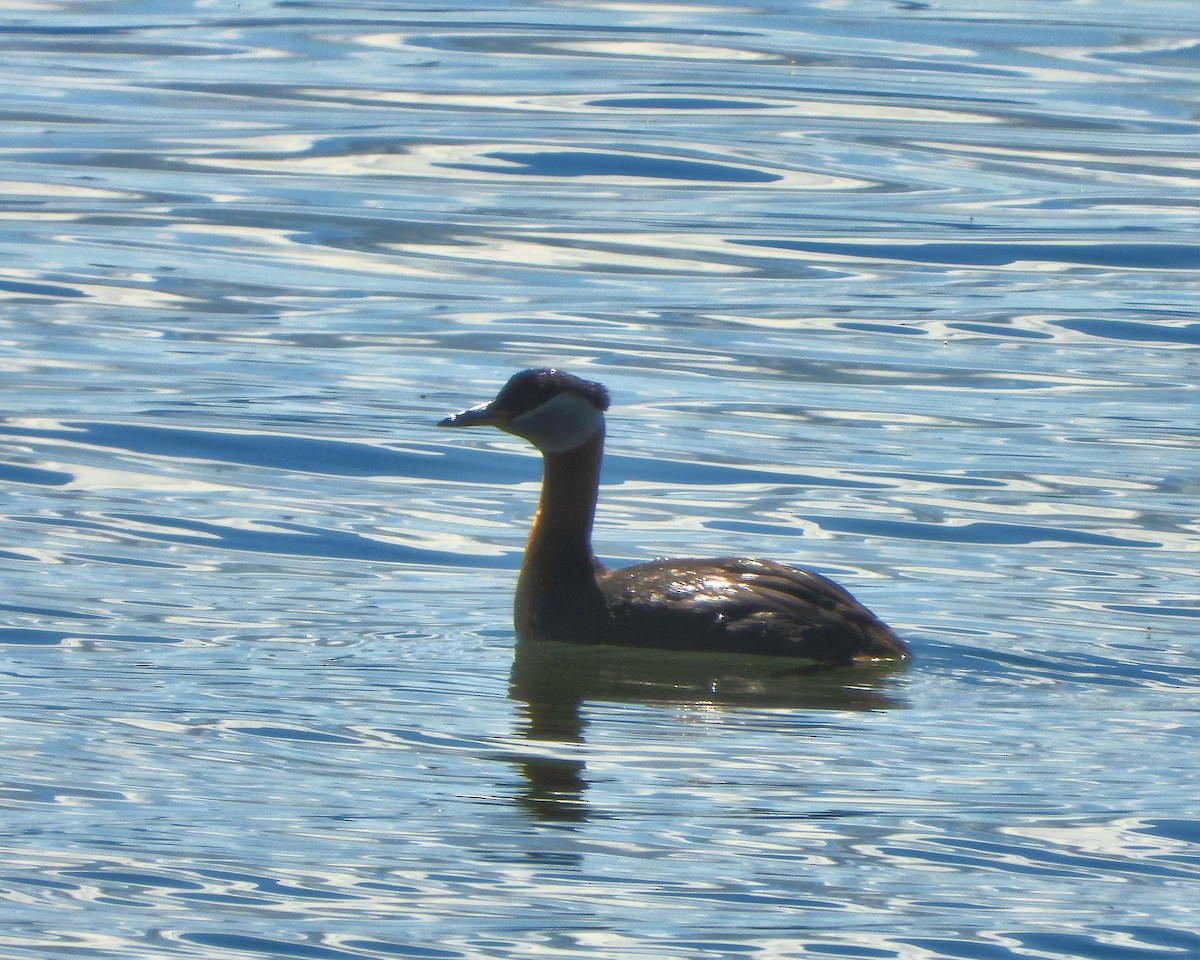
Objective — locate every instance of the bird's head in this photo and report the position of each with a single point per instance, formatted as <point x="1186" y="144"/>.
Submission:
<point x="550" y="408"/>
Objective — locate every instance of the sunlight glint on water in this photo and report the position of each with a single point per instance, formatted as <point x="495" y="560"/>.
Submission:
<point x="903" y="293"/>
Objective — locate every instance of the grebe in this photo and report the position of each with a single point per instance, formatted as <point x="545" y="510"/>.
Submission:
<point x="721" y="604"/>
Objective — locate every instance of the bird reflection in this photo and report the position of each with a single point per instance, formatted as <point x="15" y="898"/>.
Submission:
<point x="552" y="682"/>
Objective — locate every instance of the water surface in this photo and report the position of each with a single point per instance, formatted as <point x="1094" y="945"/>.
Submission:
<point x="905" y="293"/>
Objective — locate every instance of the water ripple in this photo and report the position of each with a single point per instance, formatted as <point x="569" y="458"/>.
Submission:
<point x="899" y="293"/>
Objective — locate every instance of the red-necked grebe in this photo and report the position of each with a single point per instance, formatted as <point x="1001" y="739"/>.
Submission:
<point x="725" y="603"/>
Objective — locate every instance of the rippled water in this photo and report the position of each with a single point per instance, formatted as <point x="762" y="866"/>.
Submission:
<point x="906" y="292"/>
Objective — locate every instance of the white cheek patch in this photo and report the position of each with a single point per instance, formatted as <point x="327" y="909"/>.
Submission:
<point x="564" y="422"/>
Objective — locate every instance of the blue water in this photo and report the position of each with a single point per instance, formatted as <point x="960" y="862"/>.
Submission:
<point x="903" y="292"/>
